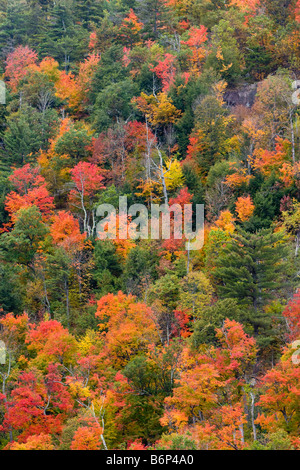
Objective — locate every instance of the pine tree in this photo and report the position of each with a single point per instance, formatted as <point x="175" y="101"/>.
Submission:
<point x="89" y="11"/>
<point x="250" y="270"/>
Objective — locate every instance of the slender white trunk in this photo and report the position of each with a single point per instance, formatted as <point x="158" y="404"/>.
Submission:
<point x="252" y="415"/>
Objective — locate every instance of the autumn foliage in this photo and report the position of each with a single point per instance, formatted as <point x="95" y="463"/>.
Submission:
<point x="115" y="334"/>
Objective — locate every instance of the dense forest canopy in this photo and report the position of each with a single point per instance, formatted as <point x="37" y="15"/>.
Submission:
<point x="138" y="343"/>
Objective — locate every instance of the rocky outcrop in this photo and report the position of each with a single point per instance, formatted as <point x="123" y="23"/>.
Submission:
<point x="241" y="96"/>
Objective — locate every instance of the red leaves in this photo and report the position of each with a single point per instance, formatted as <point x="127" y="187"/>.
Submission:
<point x="181" y="324"/>
<point x="292" y="316"/>
<point x="165" y="70"/>
<point x="239" y="349"/>
<point x="87" y="177"/>
<point x="195" y="146"/>
<point x="52" y="342"/>
<point x="136" y="445"/>
<point x="17" y="65"/>
<point x="183" y="197"/>
<point x="31" y="189"/>
<point x="197" y="37"/>
<point x="27" y="408"/>
<point x="174" y="245"/>
<point x="137" y="135"/>
<point x="25" y="178"/>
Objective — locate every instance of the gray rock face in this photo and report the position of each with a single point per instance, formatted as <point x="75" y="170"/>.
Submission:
<point x="241" y="96"/>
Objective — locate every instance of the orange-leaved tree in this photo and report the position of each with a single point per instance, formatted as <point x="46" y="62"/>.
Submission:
<point x="127" y="327"/>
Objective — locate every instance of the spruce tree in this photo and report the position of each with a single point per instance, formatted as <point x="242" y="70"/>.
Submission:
<point x="250" y="269"/>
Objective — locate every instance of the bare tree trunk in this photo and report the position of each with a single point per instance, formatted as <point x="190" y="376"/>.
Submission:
<point x="241" y="428"/>
<point x="252" y="415"/>
<point x="162" y="175"/>
<point x="297" y="243"/>
<point x="293" y="138"/>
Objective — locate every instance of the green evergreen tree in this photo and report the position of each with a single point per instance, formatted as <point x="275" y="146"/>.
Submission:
<point x="251" y="270"/>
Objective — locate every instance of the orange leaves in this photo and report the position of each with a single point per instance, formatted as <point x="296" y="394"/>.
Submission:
<point x="130" y="29"/>
<point x="244" y="208"/>
<point x="47" y="159"/>
<point x="266" y="161"/>
<point x="67" y="86"/>
<point x="229" y="421"/>
<point x="49" y="67"/>
<point x="238" y="350"/>
<point x="132" y="22"/>
<point x="246" y="5"/>
<point x="67" y="89"/>
<point x="281" y="396"/>
<point x="225" y="430"/>
<point x="87" y="438"/>
<point x="127" y="326"/>
<point x="65" y="232"/>
<point x="35" y="442"/>
<point x="14" y="329"/>
<point x="93" y="40"/>
<point x="238" y="178"/>
<point x="195" y="394"/>
<point x="204" y="378"/>
<point x="36" y="197"/>
<point x="197" y="37"/>
<point x="52" y="342"/>
<point x="114" y="309"/>
<point x="86" y="72"/>
<point x="31" y="189"/>
<point x="174" y="419"/>
<point x="289" y="174"/>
